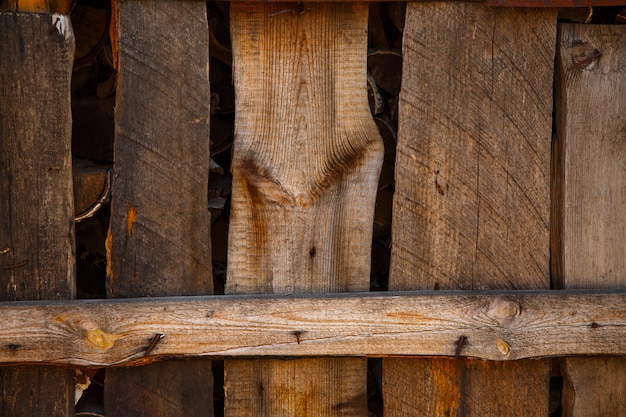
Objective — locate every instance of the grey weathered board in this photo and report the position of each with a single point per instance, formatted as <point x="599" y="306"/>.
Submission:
<point x="471" y="207"/>
<point x="159" y="239"/>
<point x="589" y="243"/>
<point x="36" y="209"/>
<point x="306" y="162"/>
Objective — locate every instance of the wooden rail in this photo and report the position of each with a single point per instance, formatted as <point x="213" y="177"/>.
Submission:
<point x="496" y="325"/>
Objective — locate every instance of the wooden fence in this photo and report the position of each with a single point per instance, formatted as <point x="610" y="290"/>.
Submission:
<point x="508" y="237"/>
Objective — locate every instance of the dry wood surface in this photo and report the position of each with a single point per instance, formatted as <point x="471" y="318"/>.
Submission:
<point x="307" y="157"/>
<point x="499" y="326"/>
<point x="36" y="210"/>
<point x="160" y="224"/>
<point x="589" y="243"/>
<point x="471" y="207"/>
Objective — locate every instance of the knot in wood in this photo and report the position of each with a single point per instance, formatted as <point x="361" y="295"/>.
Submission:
<point x="100" y="339"/>
<point x="503" y="347"/>
<point x="501" y="309"/>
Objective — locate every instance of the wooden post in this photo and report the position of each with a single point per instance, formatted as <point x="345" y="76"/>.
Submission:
<point x="305" y="171"/>
<point x="36" y="202"/>
<point x="589" y="243"/>
<point x="159" y="240"/>
<point x="471" y="207"/>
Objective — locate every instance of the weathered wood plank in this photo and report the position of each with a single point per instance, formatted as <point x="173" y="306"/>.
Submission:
<point x="160" y="224"/>
<point x="471" y="206"/>
<point x="63" y="6"/>
<point x="589" y="244"/>
<point x="36" y="210"/>
<point x="36" y="6"/>
<point x="115" y="332"/>
<point x="305" y="170"/>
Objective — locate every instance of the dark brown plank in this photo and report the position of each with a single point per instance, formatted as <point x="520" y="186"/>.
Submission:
<point x="305" y="170"/>
<point x="160" y="224"/>
<point x="589" y="245"/>
<point x="471" y="208"/>
<point x="36" y="206"/>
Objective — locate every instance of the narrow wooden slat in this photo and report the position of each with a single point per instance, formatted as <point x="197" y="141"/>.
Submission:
<point x="63" y="6"/>
<point x="471" y="207"/>
<point x="589" y="244"/>
<point x="160" y="224"/>
<point x="115" y="332"/>
<point x="36" y="210"/>
<point x="305" y="169"/>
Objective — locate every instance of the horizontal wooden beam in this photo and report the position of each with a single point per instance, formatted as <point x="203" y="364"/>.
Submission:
<point x="488" y="325"/>
<point x="501" y="3"/>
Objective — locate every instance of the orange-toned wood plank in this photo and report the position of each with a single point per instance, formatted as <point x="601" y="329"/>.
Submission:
<point x="307" y="156"/>
<point x="36" y="6"/>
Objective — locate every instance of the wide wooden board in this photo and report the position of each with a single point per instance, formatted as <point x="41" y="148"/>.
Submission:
<point x="471" y="207"/>
<point x="306" y="162"/>
<point x="589" y="244"/>
<point x="160" y="224"/>
<point x="36" y="206"/>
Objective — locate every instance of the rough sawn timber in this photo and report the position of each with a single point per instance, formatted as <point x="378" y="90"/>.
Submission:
<point x="36" y="209"/>
<point x="159" y="239"/>
<point x="589" y="242"/>
<point x="471" y="206"/>
<point x="115" y="332"/>
<point x="306" y="162"/>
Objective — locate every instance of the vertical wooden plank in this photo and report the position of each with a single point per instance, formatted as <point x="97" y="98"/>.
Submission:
<point x="305" y="170"/>
<point x="471" y="207"/>
<point x="36" y="202"/>
<point x="589" y="244"/>
<point x="159" y="240"/>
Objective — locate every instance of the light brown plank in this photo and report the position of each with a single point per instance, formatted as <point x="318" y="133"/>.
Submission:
<point x="115" y="332"/>
<point x="36" y="209"/>
<point x="590" y="196"/>
<point x="160" y="224"/>
<point x="471" y="207"/>
<point x="305" y="169"/>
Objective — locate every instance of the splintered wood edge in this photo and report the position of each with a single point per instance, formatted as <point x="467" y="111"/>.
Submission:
<point x="503" y="325"/>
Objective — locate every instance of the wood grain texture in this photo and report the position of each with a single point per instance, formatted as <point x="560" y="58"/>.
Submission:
<point x="118" y="332"/>
<point x="471" y="207"/>
<point x="449" y="387"/>
<point x="36" y="208"/>
<point x="160" y="224"/>
<point x="589" y="243"/>
<point x="36" y="6"/>
<point x="305" y="170"/>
